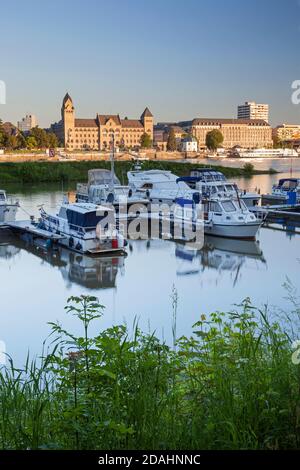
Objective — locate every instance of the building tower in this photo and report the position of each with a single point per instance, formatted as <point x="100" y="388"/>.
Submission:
<point x="68" y="118"/>
<point x="147" y="121"/>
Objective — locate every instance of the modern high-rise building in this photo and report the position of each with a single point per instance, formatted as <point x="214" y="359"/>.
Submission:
<point x="27" y="123"/>
<point x="252" y="110"/>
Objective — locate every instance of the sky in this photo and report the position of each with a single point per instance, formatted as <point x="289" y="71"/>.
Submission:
<point x="182" y="59"/>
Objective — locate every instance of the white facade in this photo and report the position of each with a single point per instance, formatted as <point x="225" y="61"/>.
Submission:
<point x="252" y="110"/>
<point x="189" y="146"/>
<point x="27" y="123"/>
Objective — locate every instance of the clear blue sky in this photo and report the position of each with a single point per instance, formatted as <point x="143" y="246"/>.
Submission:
<point x="183" y="59"/>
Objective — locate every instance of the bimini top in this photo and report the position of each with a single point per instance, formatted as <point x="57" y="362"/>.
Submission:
<point x="83" y="207"/>
<point x="84" y="214"/>
<point x="292" y="180"/>
<point x="101" y="176"/>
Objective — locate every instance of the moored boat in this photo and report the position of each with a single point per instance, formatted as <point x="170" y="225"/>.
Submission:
<point x="287" y="191"/>
<point x="85" y="228"/>
<point x="209" y="181"/>
<point x="8" y="207"/>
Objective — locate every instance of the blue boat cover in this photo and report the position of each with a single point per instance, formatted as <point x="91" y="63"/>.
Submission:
<point x="181" y="201"/>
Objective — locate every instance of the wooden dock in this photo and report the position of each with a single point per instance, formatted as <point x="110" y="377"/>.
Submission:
<point x="27" y="226"/>
<point x="282" y="212"/>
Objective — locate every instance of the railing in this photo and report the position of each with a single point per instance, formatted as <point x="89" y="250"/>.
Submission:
<point x="103" y="231"/>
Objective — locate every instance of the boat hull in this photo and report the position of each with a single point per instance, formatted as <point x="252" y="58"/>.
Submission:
<point x="243" y="231"/>
<point x="8" y="212"/>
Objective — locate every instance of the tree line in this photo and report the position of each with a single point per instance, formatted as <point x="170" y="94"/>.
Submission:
<point x="36" y="138"/>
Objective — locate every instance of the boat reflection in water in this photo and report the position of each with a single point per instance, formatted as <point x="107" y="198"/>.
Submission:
<point x="87" y="271"/>
<point x="220" y="254"/>
<point x="93" y="273"/>
<point x="8" y="250"/>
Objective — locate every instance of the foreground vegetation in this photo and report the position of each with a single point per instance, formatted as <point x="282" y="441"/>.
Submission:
<point x="232" y="385"/>
<point x="38" y="172"/>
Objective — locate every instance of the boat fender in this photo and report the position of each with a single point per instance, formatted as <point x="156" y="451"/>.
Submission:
<point x="130" y="193"/>
<point x="78" y="246"/>
<point x="71" y="242"/>
<point x="147" y="193"/>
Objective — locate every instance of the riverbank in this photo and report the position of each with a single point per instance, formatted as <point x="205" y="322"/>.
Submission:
<point x="39" y="172"/>
<point x="233" y="385"/>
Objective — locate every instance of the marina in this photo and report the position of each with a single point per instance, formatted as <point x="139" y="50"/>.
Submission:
<point x="237" y="268"/>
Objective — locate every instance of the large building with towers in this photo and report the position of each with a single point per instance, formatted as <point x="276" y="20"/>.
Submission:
<point x="97" y="133"/>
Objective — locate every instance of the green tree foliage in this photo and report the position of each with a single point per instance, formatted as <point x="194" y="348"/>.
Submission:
<point x="171" y="143"/>
<point x="2" y="134"/>
<point x="52" y="140"/>
<point x="31" y="142"/>
<point x="214" y="139"/>
<point x="40" y="136"/>
<point x="146" y="141"/>
<point x="232" y="384"/>
<point x="248" y="169"/>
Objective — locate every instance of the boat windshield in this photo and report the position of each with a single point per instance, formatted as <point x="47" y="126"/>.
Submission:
<point x="228" y="206"/>
<point x="289" y="185"/>
<point x="215" y="207"/>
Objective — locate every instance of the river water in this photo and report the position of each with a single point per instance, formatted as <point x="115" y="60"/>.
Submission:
<point x="35" y="286"/>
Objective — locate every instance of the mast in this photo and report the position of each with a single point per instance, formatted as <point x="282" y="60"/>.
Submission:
<point x="112" y="161"/>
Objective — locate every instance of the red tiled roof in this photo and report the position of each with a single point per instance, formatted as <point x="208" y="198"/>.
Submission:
<point x="132" y="123"/>
<point x="103" y="118"/>
<point x="86" y="123"/>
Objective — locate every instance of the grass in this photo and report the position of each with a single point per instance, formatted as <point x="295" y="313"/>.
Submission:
<point x="39" y="172"/>
<point x="231" y="385"/>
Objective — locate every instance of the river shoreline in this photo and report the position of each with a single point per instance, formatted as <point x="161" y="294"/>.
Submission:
<point x="62" y="171"/>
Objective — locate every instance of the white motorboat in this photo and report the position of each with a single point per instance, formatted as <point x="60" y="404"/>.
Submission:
<point x="85" y="227"/>
<point x="159" y="186"/>
<point x="287" y="191"/>
<point x="211" y="182"/>
<point x="8" y="207"/>
<point x="230" y="218"/>
<point x="103" y="187"/>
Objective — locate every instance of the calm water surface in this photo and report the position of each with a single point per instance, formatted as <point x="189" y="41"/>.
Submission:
<point x="34" y="286"/>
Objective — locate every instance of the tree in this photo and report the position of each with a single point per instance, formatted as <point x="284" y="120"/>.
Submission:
<point x="40" y="136"/>
<point x="31" y="142"/>
<point x="52" y="140"/>
<point x="146" y="141"/>
<point x="21" y="141"/>
<point x="171" y="143"/>
<point x="2" y="134"/>
<point x="214" y="139"/>
<point x="277" y="143"/>
<point x="10" y="142"/>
